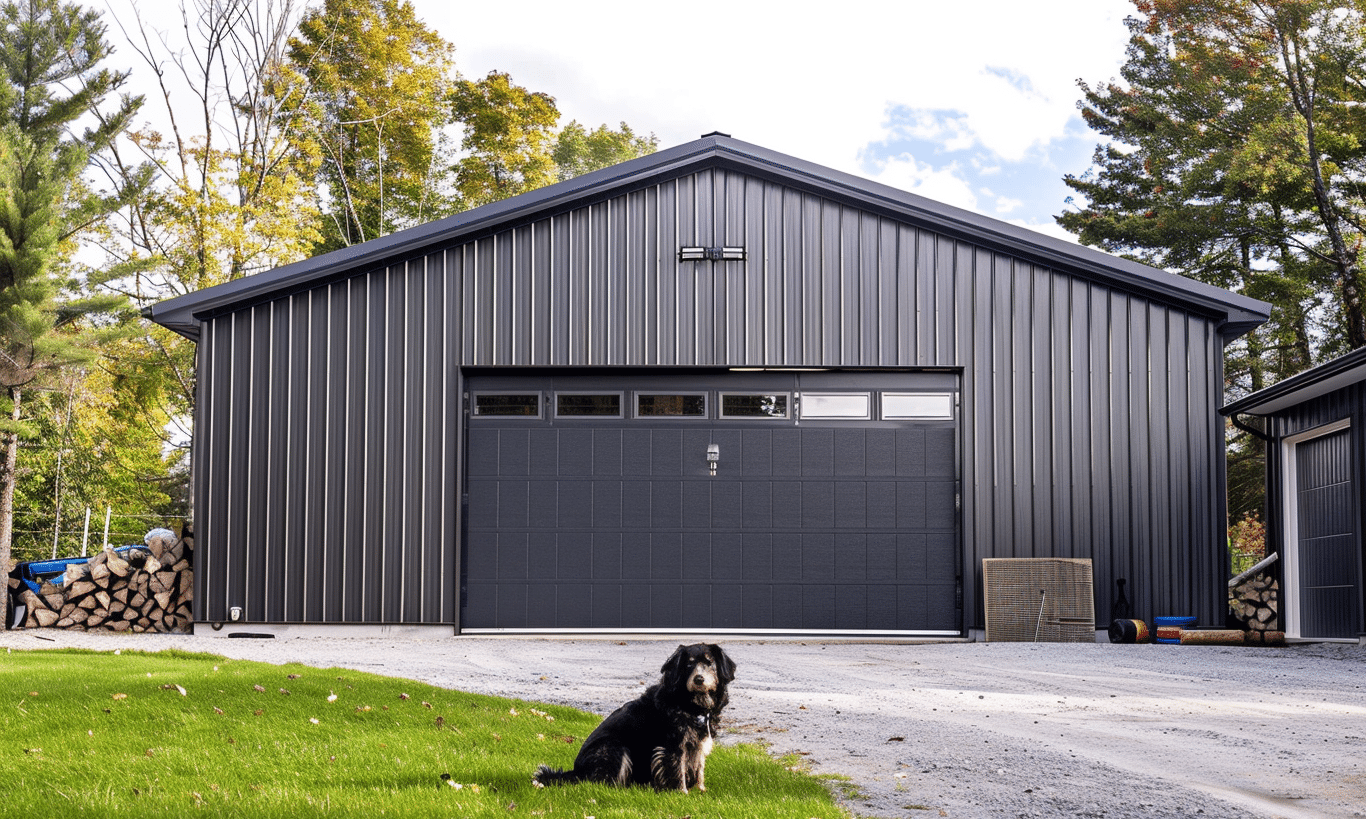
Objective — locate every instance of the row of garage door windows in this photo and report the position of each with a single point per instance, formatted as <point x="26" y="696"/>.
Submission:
<point x="852" y="406"/>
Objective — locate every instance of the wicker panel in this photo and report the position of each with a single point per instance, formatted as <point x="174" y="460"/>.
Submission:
<point x="1043" y="600"/>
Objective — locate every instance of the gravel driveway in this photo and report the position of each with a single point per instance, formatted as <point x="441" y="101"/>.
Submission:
<point x="952" y="729"/>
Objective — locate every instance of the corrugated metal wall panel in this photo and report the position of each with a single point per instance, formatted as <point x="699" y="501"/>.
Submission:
<point x="1062" y="371"/>
<point x="302" y="541"/>
<point x="273" y="551"/>
<point x="1137" y="525"/>
<point x="340" y="487"/>
<point x="333" y="415"/>
<point x="324" y="449"/>
<point x="315" y="316"/>
<point x="210" y="411"/>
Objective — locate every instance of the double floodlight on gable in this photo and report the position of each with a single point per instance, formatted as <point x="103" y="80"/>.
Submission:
<point x="711" y="254"/>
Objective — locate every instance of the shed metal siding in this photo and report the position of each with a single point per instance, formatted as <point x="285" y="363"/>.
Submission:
<point x="1346" y="403"/>
<point x="1089" y="412"/>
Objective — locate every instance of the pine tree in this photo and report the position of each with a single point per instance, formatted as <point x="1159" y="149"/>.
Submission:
<point x="46" y="46"/>
<point x="1233" y="157"/>
<point x="1235" y="147"/>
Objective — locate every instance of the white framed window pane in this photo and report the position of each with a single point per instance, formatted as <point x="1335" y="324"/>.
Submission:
<point x="905" y="405"/>
<point x="581" y="405"/>
<point x="671" y="405"/>
<point x="835" y="405"/>
<point x="754" y="405"/>
<point x="516" y="405"/>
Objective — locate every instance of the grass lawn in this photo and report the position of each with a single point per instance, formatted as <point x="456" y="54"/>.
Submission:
<point x="177" y="734"/>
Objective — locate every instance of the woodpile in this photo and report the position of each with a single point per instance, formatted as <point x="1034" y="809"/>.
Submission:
<point x="139" y="591"/>
<point x="1231" y="637"/>
<point x="1255" y="602"/>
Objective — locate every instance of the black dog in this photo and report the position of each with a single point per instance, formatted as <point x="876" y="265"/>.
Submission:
<point x="662" y="738"/>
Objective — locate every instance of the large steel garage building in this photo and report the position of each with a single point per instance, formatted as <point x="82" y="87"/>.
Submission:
<point x="713" y="389"/>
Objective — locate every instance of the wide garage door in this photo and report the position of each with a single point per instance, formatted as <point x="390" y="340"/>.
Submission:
<point x="773" y="501"/>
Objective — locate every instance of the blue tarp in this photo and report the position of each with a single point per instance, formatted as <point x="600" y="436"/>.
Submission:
<point x="33" y="572"/>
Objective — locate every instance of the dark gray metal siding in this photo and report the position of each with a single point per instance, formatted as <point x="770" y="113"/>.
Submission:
<point x="1349" y="402"/>
<point x="1089" y="416"/>
<point x="327" y="434"/>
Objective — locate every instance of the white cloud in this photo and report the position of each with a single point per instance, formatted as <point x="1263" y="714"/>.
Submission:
<point x="813" y="84"/>
<point x="945" y="184"/>
<point x="1005" y="204"/>
<point x="983" y="169"/>
<point x="948" y="130"/>
<point x="1049" y="228"/>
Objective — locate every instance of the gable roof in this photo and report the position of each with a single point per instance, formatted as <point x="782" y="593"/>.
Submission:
<point x="1332" y="375"/>
<point x="1234" y="314"/>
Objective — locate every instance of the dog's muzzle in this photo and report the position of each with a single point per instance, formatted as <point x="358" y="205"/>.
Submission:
<point x="702" y="684"/>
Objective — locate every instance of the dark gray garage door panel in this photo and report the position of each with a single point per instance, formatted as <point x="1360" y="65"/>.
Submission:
<point x="620" y="525"/>
<point x="1327" y="537"/>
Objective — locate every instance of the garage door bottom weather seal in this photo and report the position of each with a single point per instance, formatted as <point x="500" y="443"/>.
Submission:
<point x="760" y="632"/>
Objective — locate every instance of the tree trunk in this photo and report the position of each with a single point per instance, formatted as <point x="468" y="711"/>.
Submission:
<point x="1303" y="98"/>
<point x="8" y="462"/>
<point x="1344" y="257"/>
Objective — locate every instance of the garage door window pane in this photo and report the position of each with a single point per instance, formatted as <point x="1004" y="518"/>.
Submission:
<point x="525" y="405"/>
<point x="579" y="405"/>
<point x="671" y="405"/>
<point x="901" y="405"/>
<point x="835" y="405"/>
<point x="754" y="405"/>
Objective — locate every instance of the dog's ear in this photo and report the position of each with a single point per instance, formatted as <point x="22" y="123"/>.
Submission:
<point x="725" y="666"/>
<point x="673" y="668"/>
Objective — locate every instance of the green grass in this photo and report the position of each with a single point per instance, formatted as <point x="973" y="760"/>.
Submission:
<point x="87" y="733"/>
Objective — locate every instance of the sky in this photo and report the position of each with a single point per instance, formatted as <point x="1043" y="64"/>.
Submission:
<point x="971" y="103"/>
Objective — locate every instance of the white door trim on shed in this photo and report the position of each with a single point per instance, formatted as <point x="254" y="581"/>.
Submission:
<point x="1290" y="575"/>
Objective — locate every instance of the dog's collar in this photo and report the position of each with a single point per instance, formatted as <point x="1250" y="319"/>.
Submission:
<point x="700" y="719"/>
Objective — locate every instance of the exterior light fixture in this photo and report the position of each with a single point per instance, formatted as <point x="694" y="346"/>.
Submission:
<point x="711" y="254"/>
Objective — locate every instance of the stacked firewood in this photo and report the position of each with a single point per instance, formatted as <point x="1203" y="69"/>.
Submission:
<point x="1230" y="637"/>
<point x="140" y="591"/>
<point x="1254" y="602"/>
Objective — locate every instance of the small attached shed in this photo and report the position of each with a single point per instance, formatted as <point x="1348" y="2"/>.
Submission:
<point x="715" y="388"/>
<point x="1315" y="450"/>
